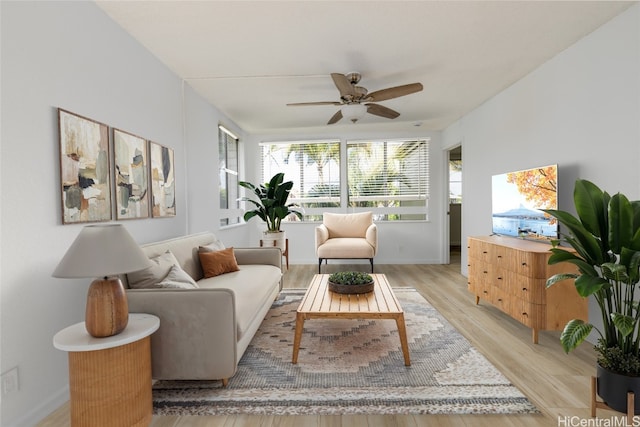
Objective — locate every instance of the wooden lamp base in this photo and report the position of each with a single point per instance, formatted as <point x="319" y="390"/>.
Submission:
<point x="107" y="310"/>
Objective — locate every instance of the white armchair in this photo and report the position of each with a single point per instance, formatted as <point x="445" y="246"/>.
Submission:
<point x="346" y="236"/>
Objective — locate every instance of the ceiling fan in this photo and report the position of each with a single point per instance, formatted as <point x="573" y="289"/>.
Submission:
<point x="356" y="100"/>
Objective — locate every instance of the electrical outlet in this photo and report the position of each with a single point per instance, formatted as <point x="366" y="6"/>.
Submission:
<point x="10" y="383"/>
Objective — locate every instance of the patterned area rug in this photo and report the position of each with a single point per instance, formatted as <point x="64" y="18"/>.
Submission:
<point x="351" y="367"/>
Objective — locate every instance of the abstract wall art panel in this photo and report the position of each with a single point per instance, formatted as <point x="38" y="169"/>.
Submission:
<point x="84" y="169"/>
<point x="131" y="175"/>
<point x="163" y="185"/>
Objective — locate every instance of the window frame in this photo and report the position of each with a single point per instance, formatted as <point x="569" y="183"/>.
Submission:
<point x="229" y="215"/>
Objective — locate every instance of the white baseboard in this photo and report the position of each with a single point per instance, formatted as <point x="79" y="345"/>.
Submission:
<point x="41" y="411"/>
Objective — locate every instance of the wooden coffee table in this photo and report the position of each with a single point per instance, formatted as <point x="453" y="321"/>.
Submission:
<point x="320" y="303"/>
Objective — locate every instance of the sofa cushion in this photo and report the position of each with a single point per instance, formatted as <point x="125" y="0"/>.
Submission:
<point x="215" y="263"/>
<point x="178" y="279"/>
<point x="151" y="276"/>
<point x="249" y="298"/>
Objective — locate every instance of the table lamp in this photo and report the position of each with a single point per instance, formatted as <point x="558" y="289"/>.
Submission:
<point x="103" y="252"/>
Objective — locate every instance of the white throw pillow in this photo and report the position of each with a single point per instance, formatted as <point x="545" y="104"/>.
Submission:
<point x="217" y="245"/>
<point x="151" y="276"/>
<point x="178" y="278"/>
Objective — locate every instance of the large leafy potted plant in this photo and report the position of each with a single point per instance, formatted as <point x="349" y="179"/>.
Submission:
<point x="606" y="239"/>
<point x="271" y="206"/>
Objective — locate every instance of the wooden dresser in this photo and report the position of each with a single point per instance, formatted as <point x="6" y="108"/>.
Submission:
<point x="511" y="274"/>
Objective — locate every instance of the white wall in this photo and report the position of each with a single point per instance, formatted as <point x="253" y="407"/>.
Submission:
<point x="202" y="121"/>
<point x="580" y="110"/>
<point x="71" y="55"/>
<point x="415" y="242"/>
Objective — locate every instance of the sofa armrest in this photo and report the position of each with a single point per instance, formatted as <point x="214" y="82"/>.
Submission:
<point x="322" y="235"/>
<point x="197" y="338"/>
<point x="372" y="237"/>
<point x="266" y="256"/>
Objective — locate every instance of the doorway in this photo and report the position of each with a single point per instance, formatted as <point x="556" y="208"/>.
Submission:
<point x="454" y="207"/>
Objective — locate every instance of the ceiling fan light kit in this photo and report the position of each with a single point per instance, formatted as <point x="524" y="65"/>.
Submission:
<point x="353" y="112"/>
<point x="356" y="100"/>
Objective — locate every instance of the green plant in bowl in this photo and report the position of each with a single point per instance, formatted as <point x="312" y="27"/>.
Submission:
<point x="350" y="278"/>
<point x="350" y="282"/>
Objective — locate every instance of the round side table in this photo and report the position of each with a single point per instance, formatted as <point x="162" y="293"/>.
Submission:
<point x="110" y="378"/>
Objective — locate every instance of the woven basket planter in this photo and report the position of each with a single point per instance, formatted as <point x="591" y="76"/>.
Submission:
<point x="350" y="289"/>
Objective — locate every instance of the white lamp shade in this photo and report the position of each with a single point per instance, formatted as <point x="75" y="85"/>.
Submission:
<point x="353" y="112"/>
<point x="102" y="251"/>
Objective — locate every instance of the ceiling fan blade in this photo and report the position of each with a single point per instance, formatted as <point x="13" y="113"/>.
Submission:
<point x="335" y="118"/>
<point x="382" y="111"/>
<point x="294" y="104"/>
<point x="344" y="85"/>
<point x="394" y="92"/>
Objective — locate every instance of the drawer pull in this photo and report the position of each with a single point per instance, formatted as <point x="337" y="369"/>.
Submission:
<point x="525" y="289"/>
<point x="524" y="264"/>
<point x="499" y="278"/>
<point x="525" y="314"/>
<point x="500" y="299"/>
<point x="499" y="256"/>
<point x="485" y="292"/>
<point x="485" y="272"/>
<point x="484" y="252"/>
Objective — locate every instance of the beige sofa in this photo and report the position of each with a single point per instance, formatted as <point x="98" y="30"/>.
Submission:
<point x="346" y="236"/>
<point x="204" y="331"/>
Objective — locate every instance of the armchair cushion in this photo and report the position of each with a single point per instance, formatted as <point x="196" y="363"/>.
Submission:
<point x="346" y="247"/>
<point x="347" y="225"/>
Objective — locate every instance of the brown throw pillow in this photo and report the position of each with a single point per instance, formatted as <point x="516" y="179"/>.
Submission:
<point x="218" y="262"/>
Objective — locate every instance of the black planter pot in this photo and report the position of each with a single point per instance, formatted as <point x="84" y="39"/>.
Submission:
<point x="613" y="389"/>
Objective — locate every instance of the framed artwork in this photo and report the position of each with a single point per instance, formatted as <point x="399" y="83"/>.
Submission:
<point x="163" y="185"/>
<point x="84" y="169"/>
<point x="131" y="175"/>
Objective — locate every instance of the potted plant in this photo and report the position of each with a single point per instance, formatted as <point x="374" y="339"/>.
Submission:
<point x="350" y="282"/>
<point x="606" y="239"/>
<point x="271" y="206"/>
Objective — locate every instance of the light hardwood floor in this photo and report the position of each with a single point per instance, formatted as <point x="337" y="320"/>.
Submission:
<point x="558" y="384"/>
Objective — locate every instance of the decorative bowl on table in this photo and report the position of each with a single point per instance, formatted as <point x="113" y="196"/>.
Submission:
<point x="350" y="282"/>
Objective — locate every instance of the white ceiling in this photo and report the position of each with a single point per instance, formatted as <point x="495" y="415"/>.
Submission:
<point x="251" y="58"/>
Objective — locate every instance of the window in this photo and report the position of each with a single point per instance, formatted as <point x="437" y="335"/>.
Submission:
<point x="455" y="181"/>
<point x="389" y="177"/>
<point x="228" y="167"/>
<point x="314" y="168"/>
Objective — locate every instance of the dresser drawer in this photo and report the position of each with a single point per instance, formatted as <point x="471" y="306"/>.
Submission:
<point x="530" y="264"/>
<point x="527" y="288"/>
<point x="528" y="313"/>
<point x="488" y="253"/>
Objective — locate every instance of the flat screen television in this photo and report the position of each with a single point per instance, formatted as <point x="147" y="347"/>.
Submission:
<point x="517" y="199"/>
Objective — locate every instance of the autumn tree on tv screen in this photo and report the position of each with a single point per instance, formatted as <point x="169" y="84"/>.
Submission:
<point x="518" y="200"/>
